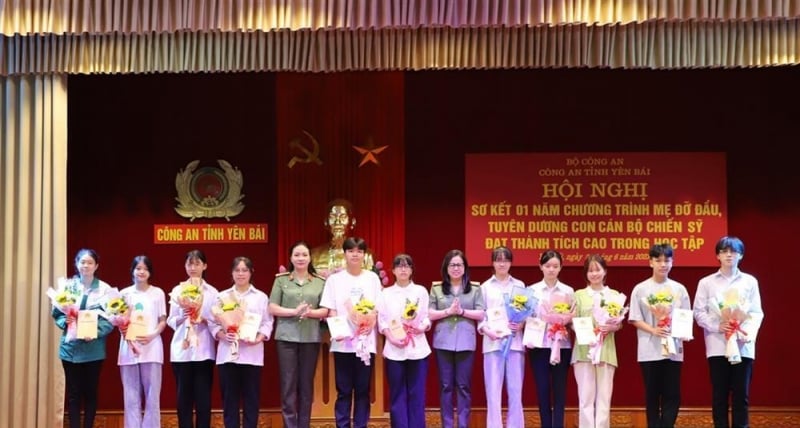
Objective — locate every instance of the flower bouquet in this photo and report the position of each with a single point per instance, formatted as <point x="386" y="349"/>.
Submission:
<point x="557" y="313"/>
<point x="732" y="309"/>
<point x="518" y="307"/>
<point x="606" y="310"/>
<point x="363" y="316"/>
<point x="65" y="299"/>
<point x="660" y="305"/>
<point x="119" y="315"/>
<point x="189" y="296"/>
<point x="229" y="313"/>
<point x="410" y="313"/>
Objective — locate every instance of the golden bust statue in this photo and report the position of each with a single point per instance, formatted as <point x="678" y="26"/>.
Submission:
<point x="340" y="221"/>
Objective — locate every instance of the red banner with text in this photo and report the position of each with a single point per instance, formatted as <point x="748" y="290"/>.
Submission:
<point x="614" y="204"/>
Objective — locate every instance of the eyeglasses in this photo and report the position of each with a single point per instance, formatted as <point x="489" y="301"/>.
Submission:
<point x="403" y="266"/>
<point x="456" y="265"/>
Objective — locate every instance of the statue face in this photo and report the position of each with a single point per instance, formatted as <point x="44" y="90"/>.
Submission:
<point x="338" y="220"/>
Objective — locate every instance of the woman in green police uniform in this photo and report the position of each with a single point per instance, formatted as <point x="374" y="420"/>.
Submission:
<point x="294" y="303"/>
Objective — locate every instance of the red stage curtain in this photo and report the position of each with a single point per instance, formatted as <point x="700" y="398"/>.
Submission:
<point x="340" y="111"/>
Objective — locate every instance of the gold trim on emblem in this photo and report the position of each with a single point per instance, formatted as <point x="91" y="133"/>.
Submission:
<point x="210" y="192"/>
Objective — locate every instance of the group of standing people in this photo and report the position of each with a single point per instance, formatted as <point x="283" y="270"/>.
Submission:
<point x="455" y="308"/>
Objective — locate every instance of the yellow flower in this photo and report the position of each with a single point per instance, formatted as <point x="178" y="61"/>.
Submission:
<point x="662" y="296"/>
<point x="561" y="308"/>
<point x="411" y="309"/>
<point x="364" y="306"/>
<point x="64" y="298"/>
<point x="190" y="290"/>
<point x="613" y="308"/>
<point x="229" y="306"/>
<point x="117" y="306"/>
<point x="519" y="302"/>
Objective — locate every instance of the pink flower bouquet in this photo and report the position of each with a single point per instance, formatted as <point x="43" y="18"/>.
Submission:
<point x="732" y="309"/>
<point x="606" y="310"/>
<point x="660" y="305"/>
<point x="229" y="313"/>
<point x="557" y="313"/>
<point x="189" y="296"/>
<point x="363" y="316"/>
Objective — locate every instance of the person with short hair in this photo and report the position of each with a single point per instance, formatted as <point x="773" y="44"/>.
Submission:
<point x="661" y="369"/>
<point x="353" y="376"/>
<point x="403" y="320"/>
<point x="457" y="303"/>
<point x="729" y="379"/>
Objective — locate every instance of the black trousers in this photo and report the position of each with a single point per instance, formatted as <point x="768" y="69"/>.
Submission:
<point x="662" y="391"/>
<point x="193" y="380"/>
<point x="83" y="379"/>
<point x="353" y="379"/>
<point x="241" y="384"/>
<point x="730" y="380"/>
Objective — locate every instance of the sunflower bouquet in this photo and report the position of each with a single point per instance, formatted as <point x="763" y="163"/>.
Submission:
<point x="731" y="308"/>
<point x="229" y="313"/>
<point x="660" y="305"/>
<point x="189" y="296"/>
<point x="609" y="309"/>
<point x="119" y="315"/>
<point x="362" y="314"/>
<point x="557" y="312"/>
<point x="65" y="298"/>
<point x="410" y="313"/>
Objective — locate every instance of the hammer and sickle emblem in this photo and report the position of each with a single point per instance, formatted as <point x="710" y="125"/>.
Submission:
<point x="311" y="155"/>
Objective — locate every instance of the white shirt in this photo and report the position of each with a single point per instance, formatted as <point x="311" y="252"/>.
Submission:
<point x="709" y="289"/>
<point x="391" y="305"/>
<point x="342" y="290"/>
<point x="152" y="302"/>
<point x="648" y="346"/>
<point x="206" y="348"/>
<point x="493" y="295"/>
<point x="254" y="301"/>
<point x="542" y="293"/>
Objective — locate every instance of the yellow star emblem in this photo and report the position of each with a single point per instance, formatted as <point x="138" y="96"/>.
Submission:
<point x="369" y="154"/>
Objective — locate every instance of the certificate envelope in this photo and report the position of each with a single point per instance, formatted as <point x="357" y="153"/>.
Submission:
<point x="497" y="321"/>
<point x="87" y="324"/>
<point x="248" y="329"/>
<point x="340" y="327"/>
<point x="397" y="330"/>
<point x="584" y="330"/>
<point x="534" y="332"/>
<point x="138" y="326"/>
<point x="682" y="320"/>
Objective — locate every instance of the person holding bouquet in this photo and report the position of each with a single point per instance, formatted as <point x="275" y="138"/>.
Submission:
<point x="458" y="303"/>
<point x="403" y="319"/>
<point x="652" y="301"/>
<point x="595" y="381"/>
<point x="240" y="348"/>
<point x="549" y="372"/>
<point x="140" y="360"/>
<point x="352" y="369"/>
<point x="193" y="360"/>
<point x="498" y="291"/>
<point x="82" y="357"/>
<point x="729" y="377"/>
<point x="294" y="303"/>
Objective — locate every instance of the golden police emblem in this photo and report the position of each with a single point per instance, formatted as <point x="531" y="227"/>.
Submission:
<point x="210" y="191"/>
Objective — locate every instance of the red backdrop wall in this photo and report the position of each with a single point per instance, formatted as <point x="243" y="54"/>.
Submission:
<point x="129" y="136"/>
